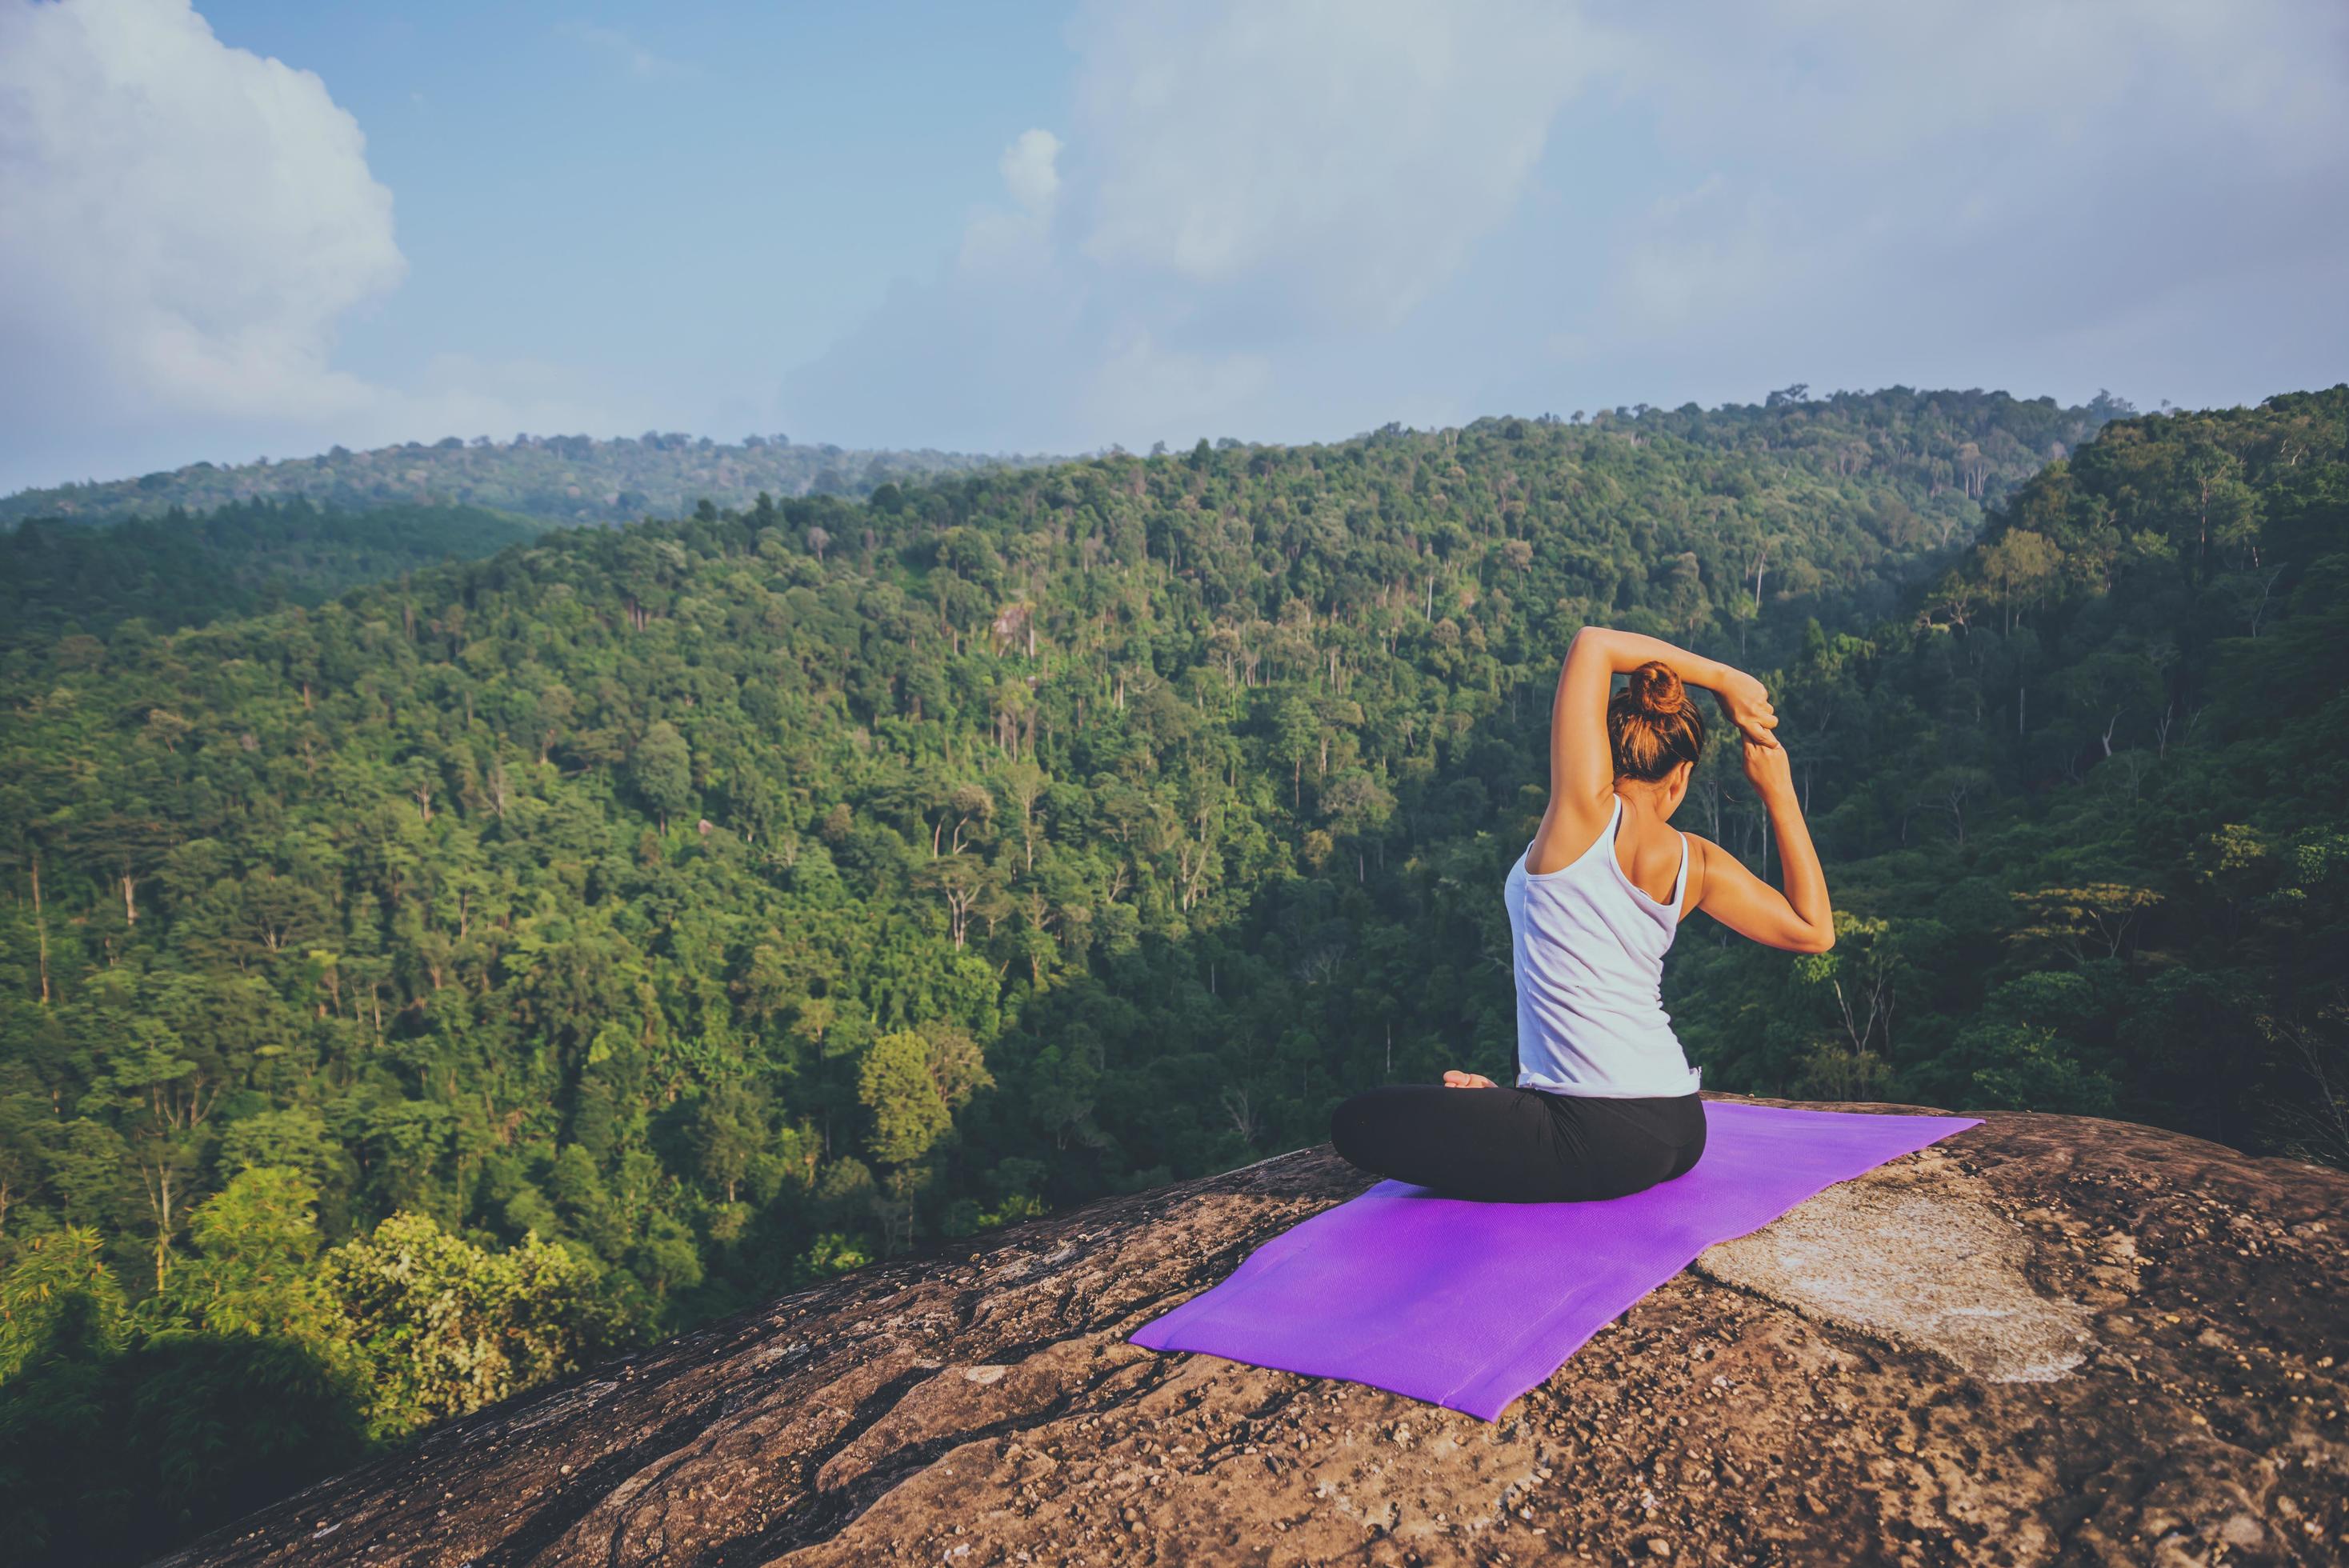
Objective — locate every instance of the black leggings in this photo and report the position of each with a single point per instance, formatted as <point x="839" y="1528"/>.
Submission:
<point x="1519" y="1145"/>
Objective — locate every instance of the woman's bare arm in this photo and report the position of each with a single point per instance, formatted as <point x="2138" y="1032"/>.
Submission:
<point x="1581" y="763"/>
<point x="1799" y="919"/>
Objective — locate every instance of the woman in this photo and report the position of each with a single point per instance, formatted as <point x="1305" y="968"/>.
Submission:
<point x="1605" y="1102"/>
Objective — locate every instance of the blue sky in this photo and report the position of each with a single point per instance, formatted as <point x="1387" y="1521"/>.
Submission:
<point x="687" y="194"/>
<point x="236" y="229"/>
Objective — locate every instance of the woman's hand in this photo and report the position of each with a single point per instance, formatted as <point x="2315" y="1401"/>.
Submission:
<point x="1767" y="769"/>
<point x="1747" y="704"/>
<point x="1458" y="1080"/>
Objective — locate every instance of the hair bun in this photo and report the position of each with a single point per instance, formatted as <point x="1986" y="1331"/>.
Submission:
<point x="1655" y="689"/>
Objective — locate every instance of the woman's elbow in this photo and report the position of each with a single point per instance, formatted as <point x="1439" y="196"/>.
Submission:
<point x="1592" y="634"/>
<point x="1815" y="941"/>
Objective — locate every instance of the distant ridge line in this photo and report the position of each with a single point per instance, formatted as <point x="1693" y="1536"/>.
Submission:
<point x="554" y="479"/>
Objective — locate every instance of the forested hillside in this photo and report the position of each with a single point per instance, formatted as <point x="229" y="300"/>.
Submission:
<point x="407" y="996"/>
<point x="59" y="579"/>
<point x="556" y="478"/>
<point x="2083" y="808"/>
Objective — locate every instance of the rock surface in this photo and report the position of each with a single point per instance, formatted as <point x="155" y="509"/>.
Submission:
<point x="2047" y="1339"/>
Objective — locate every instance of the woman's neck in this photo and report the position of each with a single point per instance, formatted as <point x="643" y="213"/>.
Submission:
<point x="1642" y="803"/>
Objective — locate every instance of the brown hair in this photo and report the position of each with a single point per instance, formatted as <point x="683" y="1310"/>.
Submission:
<point x="1651" y="725"/>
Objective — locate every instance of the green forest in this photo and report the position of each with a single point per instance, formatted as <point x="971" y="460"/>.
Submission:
<point x="413" y="995"/>
<point x="59" y="579"/>
<point x="554" y="479"/>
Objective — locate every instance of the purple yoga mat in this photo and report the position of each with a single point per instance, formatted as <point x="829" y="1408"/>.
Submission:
<point x="1469" y="1304"/>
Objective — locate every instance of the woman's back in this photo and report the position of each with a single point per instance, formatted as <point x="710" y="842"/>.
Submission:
<point x="1588" y="947"/>
<point x="1605" y="1101"/>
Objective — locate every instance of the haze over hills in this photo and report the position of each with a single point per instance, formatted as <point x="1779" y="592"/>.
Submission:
<point x="556" y="478"/>
<point x="180" y="569"/>
<point x="418" y="993"/>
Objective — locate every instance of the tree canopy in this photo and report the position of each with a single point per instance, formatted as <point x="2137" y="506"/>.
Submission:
<point x="553" y="479"/>
<point x="638" y="922"/>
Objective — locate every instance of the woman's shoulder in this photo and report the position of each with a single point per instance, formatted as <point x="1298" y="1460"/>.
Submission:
<point x="1570" y="829"/>
<point x="1701" y="851"/>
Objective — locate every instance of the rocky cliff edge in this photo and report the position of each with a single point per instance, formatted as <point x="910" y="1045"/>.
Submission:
<point x="2047" y="1339"/>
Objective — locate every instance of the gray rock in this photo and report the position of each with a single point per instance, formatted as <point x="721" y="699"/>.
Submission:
<point x="1916" y="1255"/>
<point x="2047" y="1340"/>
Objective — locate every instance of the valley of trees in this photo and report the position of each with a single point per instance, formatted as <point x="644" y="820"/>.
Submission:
<point x="409" y="996"/>
<point x="60" y="580"/>
<point x="554" y="479"/>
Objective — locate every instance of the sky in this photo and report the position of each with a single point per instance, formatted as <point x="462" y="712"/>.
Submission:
<point x="258" y="228"/>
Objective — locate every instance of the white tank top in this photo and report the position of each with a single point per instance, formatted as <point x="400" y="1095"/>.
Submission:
<point x="1589" y="953"/>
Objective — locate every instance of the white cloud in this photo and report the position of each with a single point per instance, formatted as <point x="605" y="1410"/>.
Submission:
<point x="1284" y="219"/>
<point x="185" y="223"/>
<point x="1030" y="171"/>
<point x="1016" y="245"/>
<point x="1299" y="218"/>
<point x="1940" y="184"/>
<point x="1240" y="174"/>
<point x="1352" y="151"/>
<point x="183" y="226"/>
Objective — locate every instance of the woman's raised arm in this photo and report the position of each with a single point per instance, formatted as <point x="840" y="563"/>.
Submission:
<point x="1581" y="761"/>
<point x="1798" y="918"/>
